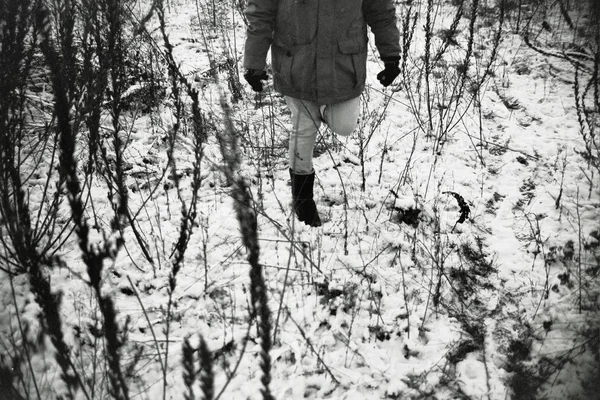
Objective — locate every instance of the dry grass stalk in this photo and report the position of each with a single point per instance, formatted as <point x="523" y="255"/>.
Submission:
<point x="243" y="205"/>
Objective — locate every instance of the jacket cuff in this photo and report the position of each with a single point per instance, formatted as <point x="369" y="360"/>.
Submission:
<point x="256" y="63"/>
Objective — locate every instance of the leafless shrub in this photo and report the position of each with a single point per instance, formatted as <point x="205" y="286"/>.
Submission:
<point x="85" y="57"/>
<point x="568" y="32"/>
<point x="443" y="81"/>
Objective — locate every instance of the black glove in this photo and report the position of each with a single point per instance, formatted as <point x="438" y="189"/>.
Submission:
<point x="255" y="77"/>
<point x="391" y="71"/>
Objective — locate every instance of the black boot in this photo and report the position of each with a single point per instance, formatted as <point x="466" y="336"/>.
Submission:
<point x="302" y="195"/>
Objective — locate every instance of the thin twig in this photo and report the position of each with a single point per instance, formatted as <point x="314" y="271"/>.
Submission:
<point x="308" y="342"/>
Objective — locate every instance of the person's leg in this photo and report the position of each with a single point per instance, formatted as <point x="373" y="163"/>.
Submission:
<point x="305" y="127"/>
<point x="342" y="118"/>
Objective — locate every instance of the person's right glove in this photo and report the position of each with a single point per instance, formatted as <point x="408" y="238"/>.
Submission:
<point x="391" y="71"/>
<point x="255" y="77"/>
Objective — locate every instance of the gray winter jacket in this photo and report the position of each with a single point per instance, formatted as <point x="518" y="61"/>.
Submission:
<point x="319" y="47"/>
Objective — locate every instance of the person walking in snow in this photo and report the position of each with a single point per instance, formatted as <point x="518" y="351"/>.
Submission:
<point x="319" y="62"/>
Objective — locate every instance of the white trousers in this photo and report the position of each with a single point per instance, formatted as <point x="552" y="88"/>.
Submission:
<point x="307" y="117"/>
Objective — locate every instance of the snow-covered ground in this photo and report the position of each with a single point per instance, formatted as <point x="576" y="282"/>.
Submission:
<point x="391" y="298"/>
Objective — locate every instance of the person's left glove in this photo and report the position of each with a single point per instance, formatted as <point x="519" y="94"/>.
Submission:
<point x="391" y="71"/>
<point x="255" y="77"/>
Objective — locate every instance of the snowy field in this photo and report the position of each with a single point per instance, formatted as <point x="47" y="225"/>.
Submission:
<point x="459" y="256"/>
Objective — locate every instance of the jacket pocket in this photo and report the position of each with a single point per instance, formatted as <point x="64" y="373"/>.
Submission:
<point x="351" y="64"/>
<point x="294" y="65"/>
